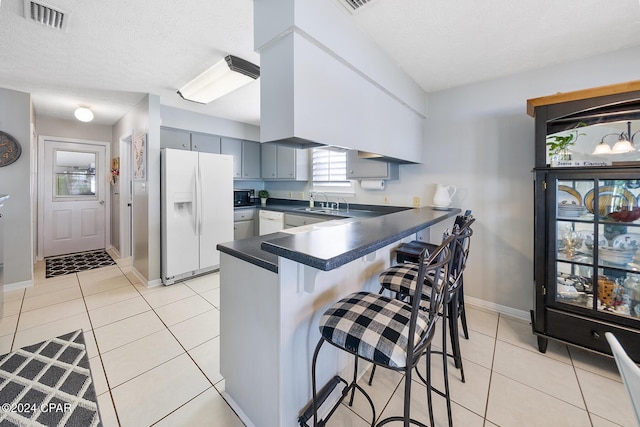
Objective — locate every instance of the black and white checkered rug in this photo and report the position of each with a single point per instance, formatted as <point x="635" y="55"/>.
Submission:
<point x="48" y="384"/>
<point x="57" y="266"/>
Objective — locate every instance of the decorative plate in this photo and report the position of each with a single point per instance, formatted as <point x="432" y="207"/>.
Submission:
<point x="568" y="195"/>
<point x="587" y="235"/>
<point x="609" y="196"/>
<point x="626" y="241"/>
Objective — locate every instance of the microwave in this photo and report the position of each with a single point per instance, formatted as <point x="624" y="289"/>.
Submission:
<point x="243" y="197"/>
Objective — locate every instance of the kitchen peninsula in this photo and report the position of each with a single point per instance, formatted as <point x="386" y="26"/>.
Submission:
<point x="273" y="290"/>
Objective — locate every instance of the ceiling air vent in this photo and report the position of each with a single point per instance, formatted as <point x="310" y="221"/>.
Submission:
<point x="46" y="15"/>
<point x="356" y="4"/>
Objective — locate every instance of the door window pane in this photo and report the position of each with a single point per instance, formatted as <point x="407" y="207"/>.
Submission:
<point x="75" y="174"/>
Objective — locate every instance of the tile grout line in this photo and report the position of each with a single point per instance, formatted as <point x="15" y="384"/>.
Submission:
<point x="573" y="366"/>
<point x="115" y="411"/>
<point x="15" y="332"/>
<point x="493" y="358"/>
<point x="181" y="345"/>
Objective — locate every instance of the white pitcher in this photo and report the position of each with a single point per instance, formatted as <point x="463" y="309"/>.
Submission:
<point x="444" y="194"/>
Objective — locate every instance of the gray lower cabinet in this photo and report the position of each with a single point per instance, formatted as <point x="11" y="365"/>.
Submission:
<point x="185" y="140"/>
<point x="358" y="168"/>
<point x="246" y="157"/>
<point x="284" y="163"/>
<point x="244" y="223"/>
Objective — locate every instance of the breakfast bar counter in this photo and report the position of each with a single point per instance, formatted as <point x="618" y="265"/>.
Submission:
<point x="273" y="290"/>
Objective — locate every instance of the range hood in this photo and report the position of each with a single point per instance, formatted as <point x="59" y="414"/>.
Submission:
<point x="324" y="84"/>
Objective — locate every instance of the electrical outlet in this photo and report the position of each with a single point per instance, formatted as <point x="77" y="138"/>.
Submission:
<point x="416" y="201"/>
<point x="302" y="195"/>
<point x="386" y="200"/>
<point x="291" y="194"/>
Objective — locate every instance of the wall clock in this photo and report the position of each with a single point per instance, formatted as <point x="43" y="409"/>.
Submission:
<point x="10" y="149"/>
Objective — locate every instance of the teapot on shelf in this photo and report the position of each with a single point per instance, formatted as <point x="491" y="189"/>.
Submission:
<point x="443" y="196"/>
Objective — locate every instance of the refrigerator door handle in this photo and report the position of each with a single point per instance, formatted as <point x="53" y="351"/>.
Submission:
<point x="196" y="207"/>
<point x="200" y="199"/>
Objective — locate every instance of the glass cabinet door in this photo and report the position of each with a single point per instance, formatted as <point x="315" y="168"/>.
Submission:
<point x="597" y="254"/>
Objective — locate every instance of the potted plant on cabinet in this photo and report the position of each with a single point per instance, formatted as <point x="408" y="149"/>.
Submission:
<point x="264" y="195"/>
<point x="559" y="145"/>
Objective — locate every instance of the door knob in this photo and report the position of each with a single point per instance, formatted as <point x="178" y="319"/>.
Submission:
<point x="102" y="202"/>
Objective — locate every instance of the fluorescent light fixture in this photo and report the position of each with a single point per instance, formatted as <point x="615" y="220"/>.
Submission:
<point x="83" y="114"/>
<point x="224" y="77"/>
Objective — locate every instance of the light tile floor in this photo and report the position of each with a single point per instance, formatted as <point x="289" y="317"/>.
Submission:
<point x="154" y="355"/>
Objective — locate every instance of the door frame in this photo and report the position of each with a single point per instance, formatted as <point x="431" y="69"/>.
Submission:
<point x="126" y="202"/>
<point x="42" y="139"/>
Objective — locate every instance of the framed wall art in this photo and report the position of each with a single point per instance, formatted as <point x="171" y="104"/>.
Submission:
<point x="140" y="157"/>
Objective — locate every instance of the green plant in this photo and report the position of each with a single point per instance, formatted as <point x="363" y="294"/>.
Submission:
<point x="559" y="143"/>
<point x="263" y="194"/>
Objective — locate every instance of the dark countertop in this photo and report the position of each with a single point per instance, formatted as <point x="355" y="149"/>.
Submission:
<point x="330" y="247"/>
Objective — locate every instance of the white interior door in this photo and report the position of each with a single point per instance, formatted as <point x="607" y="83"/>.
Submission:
<point x="74" y="194"/>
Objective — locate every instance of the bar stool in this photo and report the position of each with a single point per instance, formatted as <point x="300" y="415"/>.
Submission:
<point x="390" y="333"/>
<point x="408" y="252"/>
<point x="399" y="280"/>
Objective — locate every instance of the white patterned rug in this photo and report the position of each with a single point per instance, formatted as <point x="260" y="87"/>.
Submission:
<point x="48" y="384"/>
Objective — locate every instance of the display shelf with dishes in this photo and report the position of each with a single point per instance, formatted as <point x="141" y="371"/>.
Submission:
<point x="587" y="227"/>
<point x="593" y="241"/>
<point x="610" y="262"/>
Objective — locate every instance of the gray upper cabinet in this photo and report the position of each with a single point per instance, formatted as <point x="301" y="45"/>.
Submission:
<point x="185" y="140"/>
<point x="284" y="163"/>
<point x="205" y="143"/>
<point x="233" y="147"/>
<point x="246" y="157"/>
<point x="358" y="168"/>
<point x="173" y="138"/>
<point x="269" y="159"/>
<point x="250" y="160"/>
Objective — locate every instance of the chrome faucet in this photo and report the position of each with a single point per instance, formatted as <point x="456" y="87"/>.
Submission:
<point x="325" y="204"/>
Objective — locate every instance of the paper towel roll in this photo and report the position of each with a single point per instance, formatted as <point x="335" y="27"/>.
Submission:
<point x="372" y="184"/>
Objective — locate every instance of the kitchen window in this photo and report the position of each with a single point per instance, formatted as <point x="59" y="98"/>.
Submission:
<point x="329" y="167"/>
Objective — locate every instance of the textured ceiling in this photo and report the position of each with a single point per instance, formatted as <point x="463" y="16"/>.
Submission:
<point x="113" y="52"/>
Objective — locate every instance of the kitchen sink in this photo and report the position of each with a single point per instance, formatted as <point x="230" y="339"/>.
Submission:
<point x="321" y="210"/>
<point x="316" y="210"/>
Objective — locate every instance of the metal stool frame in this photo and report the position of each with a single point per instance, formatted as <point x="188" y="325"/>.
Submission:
<point x="436" y="265"/>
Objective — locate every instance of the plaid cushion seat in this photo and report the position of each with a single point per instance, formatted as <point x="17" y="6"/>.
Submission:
<point x="372" y="326"/>
<point x="401" y="278"/>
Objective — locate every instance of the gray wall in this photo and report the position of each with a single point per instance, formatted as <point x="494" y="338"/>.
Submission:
<point x="15" y="180"/>
<point x="145" y="118"/>
<point x="72" y="129"/>
<point x="196" y="122"/>
<point x="484" y="131"/>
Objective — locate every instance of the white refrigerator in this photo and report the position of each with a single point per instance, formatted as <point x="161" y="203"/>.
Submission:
<point x="197" y="211"/>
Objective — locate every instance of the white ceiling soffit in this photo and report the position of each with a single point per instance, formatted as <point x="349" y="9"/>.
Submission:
<point x="45" y="14"/>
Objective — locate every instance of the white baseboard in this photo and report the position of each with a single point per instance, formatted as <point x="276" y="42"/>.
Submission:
<point x="144" y="281"/>
<point x="243" y="417"/>
<point x="113" y="252"/>
<point x="18" y="285"/>
<point x="502" y="309"/>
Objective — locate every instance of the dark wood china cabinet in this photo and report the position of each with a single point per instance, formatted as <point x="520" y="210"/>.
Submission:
<point x="587" y="219"/>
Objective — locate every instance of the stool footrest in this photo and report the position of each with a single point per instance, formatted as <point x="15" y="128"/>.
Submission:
<point x="323" y="394"/>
